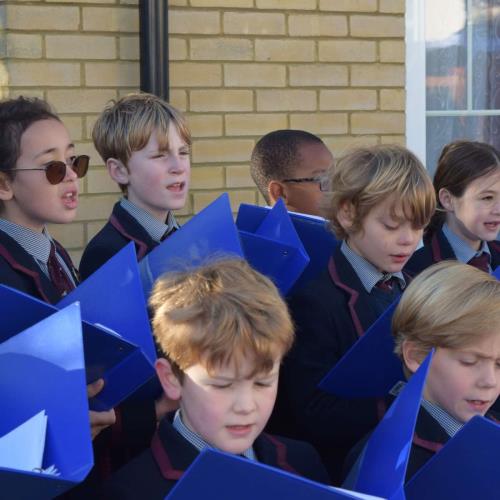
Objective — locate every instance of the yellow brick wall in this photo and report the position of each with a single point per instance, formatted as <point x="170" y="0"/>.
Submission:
<point x="238" y="68"/>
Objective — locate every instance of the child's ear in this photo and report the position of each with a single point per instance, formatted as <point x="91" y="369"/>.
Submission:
<point x="171" y="384"/>
<point x="276" y="191"/>
<point x="345" y="215"/>
<point x="446" y="199"/>
<point x="117" y="171"/>
<point x="6" y="192"/>
<point x="412" y="355"/>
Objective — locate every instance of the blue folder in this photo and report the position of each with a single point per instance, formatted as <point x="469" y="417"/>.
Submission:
<point x="369" y="368"/>
<point x="275" y="249"/>
<point x="496" y="273"/>
<point x="215" y="475"/>
<point x="318" y="241"/>
<point x="467" y="467"/>
<point x="381" y="468"/>
<point x="42" y="368"/>
<point x="113" y="297"/>
<point x="103" y="350"/>
<point x="209" y="235"/>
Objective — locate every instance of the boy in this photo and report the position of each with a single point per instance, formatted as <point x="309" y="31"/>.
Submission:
<point x="145" y="144"/>
<point x="290" y="164"/>
<point x="38" y="185"/>
<point x="454" y="308"/>
<point x="224" y="329"/>
<point x="381" y="199"/>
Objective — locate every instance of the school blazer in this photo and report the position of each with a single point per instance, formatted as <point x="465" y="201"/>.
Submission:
<point x="19" y="270"/>
<point x="438" y="249"/>
<point x="154" y="473"/>
<point x="120" y="230"/>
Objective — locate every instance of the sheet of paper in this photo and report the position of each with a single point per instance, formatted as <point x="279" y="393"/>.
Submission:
<point x="354" y="494"/>
<point x="22" y="448"/>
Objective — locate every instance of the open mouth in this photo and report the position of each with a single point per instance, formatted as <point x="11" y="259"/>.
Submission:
<point x="176" y="187"/>
<point x="492" y="226"/>
<point x="478" y="404"/>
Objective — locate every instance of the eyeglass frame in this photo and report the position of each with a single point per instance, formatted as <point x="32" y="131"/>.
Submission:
<point x="323" y="181"/>
<point x="73" y="160"/>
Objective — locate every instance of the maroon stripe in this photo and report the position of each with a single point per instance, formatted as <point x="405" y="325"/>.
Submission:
<point x="436" y="251"/>
<point x="142" y="249"/>
<point x="281" y="460"/>
<point x="161" y="457"/>
<point x="428" y="445"/>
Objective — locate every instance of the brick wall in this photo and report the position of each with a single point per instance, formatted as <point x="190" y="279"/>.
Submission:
<point x="239" y="68"/>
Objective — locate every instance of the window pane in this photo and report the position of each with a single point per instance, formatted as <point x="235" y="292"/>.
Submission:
<point x="446" y="54"/>
<point x="443" y="129"/>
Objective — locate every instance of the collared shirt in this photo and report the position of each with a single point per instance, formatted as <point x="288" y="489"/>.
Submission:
<point x="36" y="244"/>
<point x="366" y="272"/>
<point x="462" y="250"/>
<point x="198" y="442"/>
<point x="450" y="424"/>
<point x="155" y="228"/>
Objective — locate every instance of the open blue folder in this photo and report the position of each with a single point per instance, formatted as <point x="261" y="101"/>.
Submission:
<point x="275" y="249"/>
<point x="369" y="368"/>
<point x="113" y="297"/>
<point x="103" y="350"/>
<point x="317" y="240"/>
<point x="215" y="475"/>
<point x="42" y="368"/>
<point x="209" y="235"/>
<point x="467" y="467"/>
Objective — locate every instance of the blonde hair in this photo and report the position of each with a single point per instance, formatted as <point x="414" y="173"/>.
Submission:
<point x="218" y="313"/>
<point x="367" y="176"/>
<point x="126" y="126"/>
<point x="449" y="305"/>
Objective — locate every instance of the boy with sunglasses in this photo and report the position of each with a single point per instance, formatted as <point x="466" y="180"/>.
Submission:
<point x="291" y="164"/>
<point x="38" y="185"/>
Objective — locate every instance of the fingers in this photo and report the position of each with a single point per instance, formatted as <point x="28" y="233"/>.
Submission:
<point x="95" y="388"/>
<point x="99" y="420"/>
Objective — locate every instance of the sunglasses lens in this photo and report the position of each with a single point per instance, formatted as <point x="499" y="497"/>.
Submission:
<point x="81" y="165"/>
<point x="55" y="171"/>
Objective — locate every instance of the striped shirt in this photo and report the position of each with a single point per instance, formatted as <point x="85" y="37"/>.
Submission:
<point x="462" y="250"/>
<point x="155" y="228"/>
<point x="36" y="244"/>
<point x="199" y="443"/>
<point x="367" y="273"/>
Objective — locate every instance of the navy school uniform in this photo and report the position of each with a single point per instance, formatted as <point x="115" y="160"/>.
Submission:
<point x="330" y="314"/>
<point x="20" y="270"/>
<point x="155" y="472"/>
<point x="438" y="249"/>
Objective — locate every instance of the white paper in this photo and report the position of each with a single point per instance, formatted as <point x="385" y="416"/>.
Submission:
<point x="354" y="494"/>
<point x="22" y="448"/>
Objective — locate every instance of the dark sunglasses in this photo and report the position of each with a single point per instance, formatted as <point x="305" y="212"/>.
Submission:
<point x="55" y="171"/>
<point x="323" y="181"/>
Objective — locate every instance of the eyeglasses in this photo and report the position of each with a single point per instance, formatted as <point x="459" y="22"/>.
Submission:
<point x="324" y="184"/>
<point x="55" y="171"/>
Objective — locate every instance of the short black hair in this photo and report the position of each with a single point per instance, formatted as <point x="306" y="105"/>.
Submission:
<point x="276" y="154"/>
<point x="16" y="115"/>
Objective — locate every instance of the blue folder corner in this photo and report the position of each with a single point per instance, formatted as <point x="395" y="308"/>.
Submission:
<point x="209" y="235"/>
<point x="275" y="249"/>
<point x="42" y="368"/>
<point x="317" y="240"/>
<point x="215" y="475"/>
<point x="466" y="467"/>
<point x="369" y="368"/>
<point x="113" y="298"/>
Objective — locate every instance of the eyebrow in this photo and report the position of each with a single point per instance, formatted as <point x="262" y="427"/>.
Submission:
<point x="52" y="150"/>
<point x="479" y="355"/>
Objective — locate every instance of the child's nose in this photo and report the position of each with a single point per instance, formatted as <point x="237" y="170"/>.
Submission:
<point x="490" y="375"/>
<point x="244" y="402"/>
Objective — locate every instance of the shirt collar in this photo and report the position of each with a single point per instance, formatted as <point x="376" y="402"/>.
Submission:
<point x="36" y="244"/>
<point x="461" y="249"/>
<point x="198" y="442"/>
<point x="367" y="273"/>
<point x="155" y="228"/>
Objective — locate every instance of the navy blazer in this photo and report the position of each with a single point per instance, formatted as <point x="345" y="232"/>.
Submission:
<point x="19" y="270"/>
<point x="330" y="314"/>
<point x="154" y="473"/>
<point x="120" y="230"/>
<point x="438" y="249"/>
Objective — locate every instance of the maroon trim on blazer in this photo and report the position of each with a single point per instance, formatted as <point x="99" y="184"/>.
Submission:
<point x="67" y="259"/>
<point x="142" y="247"/>
<point x="436" y="251"/>
<point x="381" y="408"/>
<point x="428" y="445"/>
<point x="32" y="274"/>
<point x="161" y="457"/>
<point x="332" y="269"/>
<point x="281" y="461"/>
<point x="495" y="246"/>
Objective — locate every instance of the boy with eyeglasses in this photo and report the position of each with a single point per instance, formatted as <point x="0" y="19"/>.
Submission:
<point x="291" y="164"/>
<point x="38" y="185"/>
